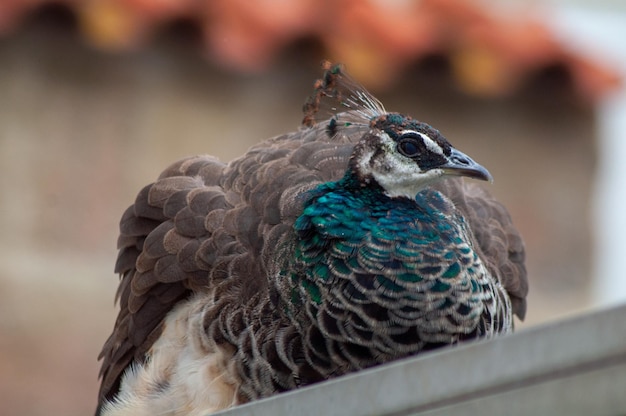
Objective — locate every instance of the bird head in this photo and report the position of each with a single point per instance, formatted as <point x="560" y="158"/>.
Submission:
<point x="404" y="155"/>
<point x="401" y="154"/>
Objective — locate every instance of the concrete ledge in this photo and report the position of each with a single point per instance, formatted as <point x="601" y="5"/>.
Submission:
<point x="572" y="367"/>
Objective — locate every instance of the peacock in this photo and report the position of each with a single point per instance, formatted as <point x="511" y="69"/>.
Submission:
<point x="349" y="243"/>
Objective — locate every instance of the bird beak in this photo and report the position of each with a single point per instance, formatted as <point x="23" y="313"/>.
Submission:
<point x="459" y="164"/>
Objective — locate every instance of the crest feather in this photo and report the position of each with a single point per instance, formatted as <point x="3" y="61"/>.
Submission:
<point x="338" y="96"/>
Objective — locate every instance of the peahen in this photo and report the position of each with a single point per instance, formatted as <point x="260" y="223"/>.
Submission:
<point x="349" y="243"/>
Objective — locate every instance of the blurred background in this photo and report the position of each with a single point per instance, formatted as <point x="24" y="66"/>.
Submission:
<point x="97" y="97"/>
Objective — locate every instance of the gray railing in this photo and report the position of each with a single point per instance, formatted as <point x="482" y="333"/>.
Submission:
<point x="572" y="367"/>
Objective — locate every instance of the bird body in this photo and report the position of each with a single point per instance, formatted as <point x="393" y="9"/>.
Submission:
<point x="315" y="254"/>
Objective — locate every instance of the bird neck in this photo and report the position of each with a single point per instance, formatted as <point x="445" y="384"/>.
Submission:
<point x="352" y="209"/>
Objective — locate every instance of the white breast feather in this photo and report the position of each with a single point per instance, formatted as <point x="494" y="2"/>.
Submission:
<point x="184" y="375"/>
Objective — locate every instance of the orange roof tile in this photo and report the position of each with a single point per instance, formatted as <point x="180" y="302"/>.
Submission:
<point x="489" y="54"/>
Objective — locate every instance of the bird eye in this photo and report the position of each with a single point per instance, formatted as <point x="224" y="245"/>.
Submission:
<point x="408" y="146"/>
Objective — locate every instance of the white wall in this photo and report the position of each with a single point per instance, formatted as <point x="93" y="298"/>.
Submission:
<point x="598" y="29"/>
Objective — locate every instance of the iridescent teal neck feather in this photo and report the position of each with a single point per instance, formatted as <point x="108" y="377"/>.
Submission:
<point x="395" y="274"/>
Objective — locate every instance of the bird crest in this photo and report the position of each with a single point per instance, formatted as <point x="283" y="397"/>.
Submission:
<point x="338" y="96"/>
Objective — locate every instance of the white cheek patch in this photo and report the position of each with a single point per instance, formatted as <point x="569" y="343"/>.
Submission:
<point x="403" y="177"/>
<point x="406" y="183"/>
<point x="398" y="175"/>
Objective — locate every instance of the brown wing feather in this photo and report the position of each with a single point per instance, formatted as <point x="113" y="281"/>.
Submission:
<point x="156" y="234"/>
<point x="206" y="226"/>
<point x="202" y="226"/>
